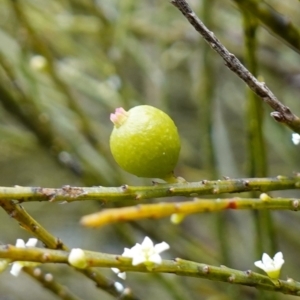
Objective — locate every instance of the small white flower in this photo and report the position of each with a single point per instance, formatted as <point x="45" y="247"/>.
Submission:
<point x="77" y="258"/>
<point x="120" y="274"/>
<point x="295" y="138"/>
<point x="119" y="287"/>
<point x="30" y="244"/>
<point x="18" y="265"/>
<point x="146" y="253"/>
<point x="271" y="266"/>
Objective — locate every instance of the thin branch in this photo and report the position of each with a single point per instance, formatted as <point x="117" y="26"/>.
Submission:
<point x="48" y="281"/>
<point x="282" y="113"/>
<point x="17" y="212"/>
<point x="162" y="209"/>
<point x="138" y="193"/>
<point x="257" y="155"/>
<point x="176" y="266"/>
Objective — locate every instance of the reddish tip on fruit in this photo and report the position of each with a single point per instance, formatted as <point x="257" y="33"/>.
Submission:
<point x="119" y="117"/>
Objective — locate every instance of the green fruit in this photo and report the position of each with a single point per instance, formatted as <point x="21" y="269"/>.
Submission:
<point x="145" y="142"/>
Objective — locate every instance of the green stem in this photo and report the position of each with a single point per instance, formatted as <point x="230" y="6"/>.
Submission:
<point x="257" y="154"/>
<point x="273" y="20"/>
<point x="47" y="281"/>
<point x="171" y="178"/>
<point x="18" y="212"/>
<point x="176" y="266"/>
<point x="206" y="105"/>
<point x="126" y="192"/>
<point x="166" y="209"/>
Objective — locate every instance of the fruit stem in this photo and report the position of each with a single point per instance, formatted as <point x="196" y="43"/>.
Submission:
<point x="170" y="178"/>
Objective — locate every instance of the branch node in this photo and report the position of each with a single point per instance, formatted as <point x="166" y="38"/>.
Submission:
<point x="277" y="116"/>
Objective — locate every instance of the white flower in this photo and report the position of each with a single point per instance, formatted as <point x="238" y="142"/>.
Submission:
<point x="120" y="274"/>
<point x="77" y="258"/>
<point x="271" y="266"/>
<point x="119" y="287"/>
<point x="146" y="253"/>
<point x="295" y="138"/>
<point x="18" y="265"/>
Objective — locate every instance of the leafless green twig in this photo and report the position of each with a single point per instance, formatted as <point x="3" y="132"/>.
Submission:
<point x="125" y="192"/>
<point x="177" y="266"/>
<point x="48" y="281"/>
<point x="17" y="212"/>
<point x="161" y="210"/>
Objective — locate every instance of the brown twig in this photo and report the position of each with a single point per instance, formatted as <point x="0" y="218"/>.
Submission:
<point x="282" y="113"/>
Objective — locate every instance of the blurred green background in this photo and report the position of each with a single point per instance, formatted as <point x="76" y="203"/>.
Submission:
<point x="66" y="65"/>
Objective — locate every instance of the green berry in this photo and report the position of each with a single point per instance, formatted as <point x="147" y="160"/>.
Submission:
<point x="145" y="142"/>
